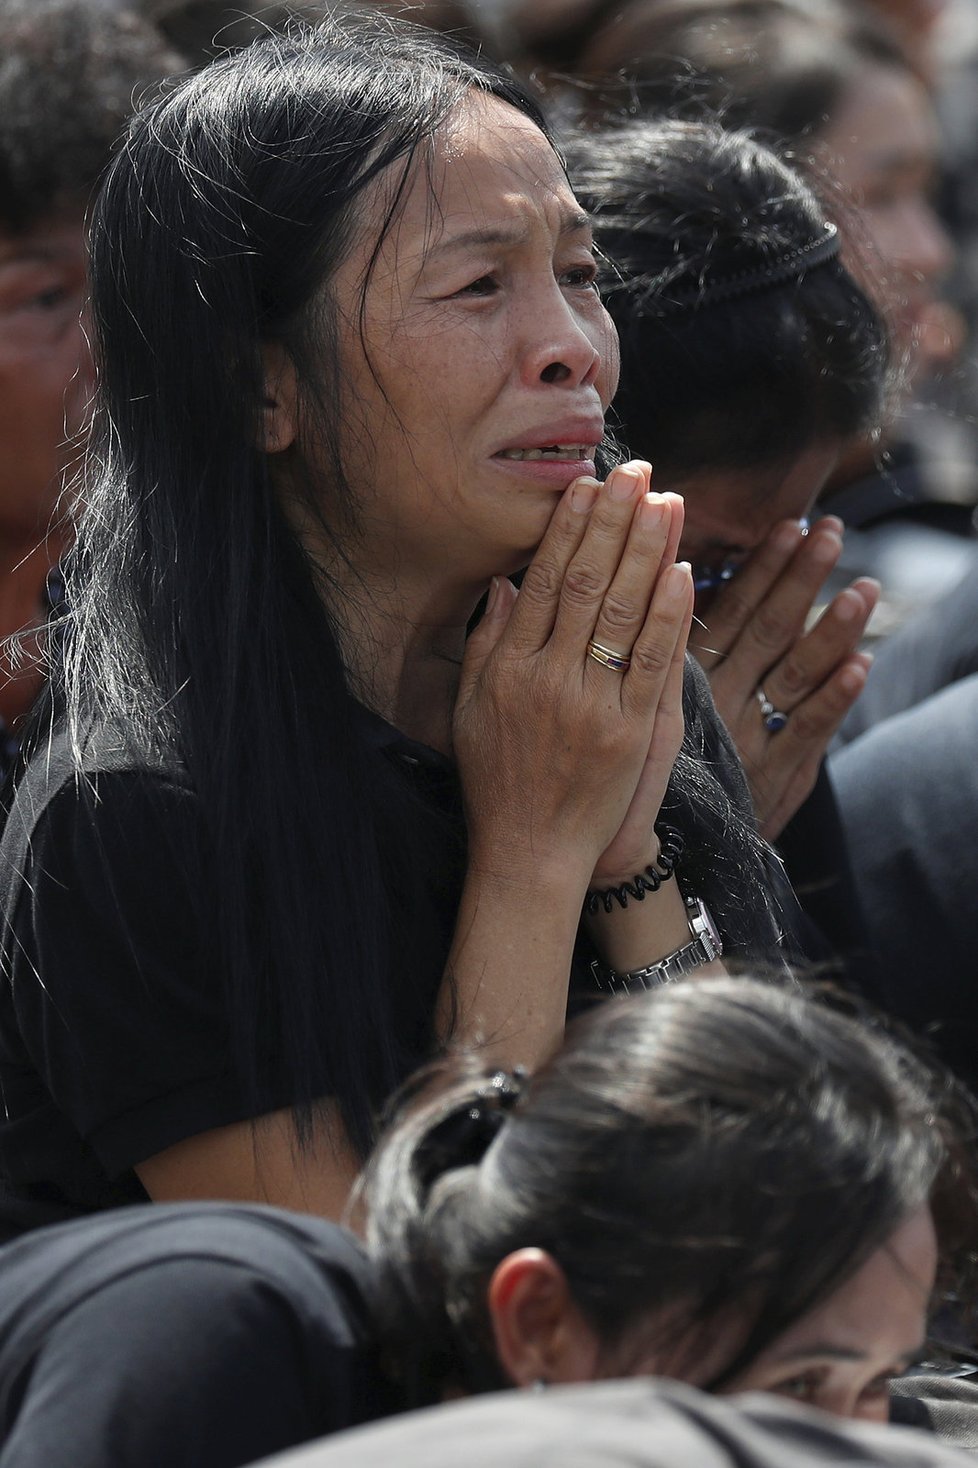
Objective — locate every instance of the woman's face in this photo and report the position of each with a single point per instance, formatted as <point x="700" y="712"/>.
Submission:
<point x="838" y="1357"/>
<point x="841" y="1354"/>
<point x="477" y="377"/>
<point x="881" y="144"/>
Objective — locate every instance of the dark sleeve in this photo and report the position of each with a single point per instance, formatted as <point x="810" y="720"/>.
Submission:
<point x="908" y="793"/>
<point x="179" y="1338"/>
<point x="816" y="855"/>
<point x="114" y="982"/>
<point x="935" y="648"/>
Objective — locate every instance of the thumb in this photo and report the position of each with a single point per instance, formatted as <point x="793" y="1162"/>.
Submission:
<point x="479" y="646"/>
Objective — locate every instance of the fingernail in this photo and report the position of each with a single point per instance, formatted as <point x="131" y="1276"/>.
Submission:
<point x="848" y="606"/>
<point x="622" y="483"/>
<point x="853" y="679"/>
<point x="652" y="510"/>
<point x="582" y="495"/>
<point x="676" y="582"/>
<point x="786" y="536"/>
<point x="493" y="595"/>
<point x="827" y="549"/>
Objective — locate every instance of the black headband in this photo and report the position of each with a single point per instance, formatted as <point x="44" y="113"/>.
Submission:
<point x="792" y="265"/>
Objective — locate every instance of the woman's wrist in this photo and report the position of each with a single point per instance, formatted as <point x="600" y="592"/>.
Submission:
<point x="643" y="932"/>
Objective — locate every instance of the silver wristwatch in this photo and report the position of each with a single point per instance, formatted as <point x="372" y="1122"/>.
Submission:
<point x="705" y="946"/>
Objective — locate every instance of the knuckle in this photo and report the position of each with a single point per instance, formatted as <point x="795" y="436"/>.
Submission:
<point x="768" y="629"/>
<point x="807" y="725"/>
<point x="541" y="582"/>
<point x="733" y="607"/>
<point x="651" y="658"/>
<point x="618" y="611"/>
<point x="583" y="583"/>
<point x="795" y="677"/>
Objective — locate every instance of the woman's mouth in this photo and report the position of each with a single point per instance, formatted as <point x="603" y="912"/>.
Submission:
<point x="559" y="453"/>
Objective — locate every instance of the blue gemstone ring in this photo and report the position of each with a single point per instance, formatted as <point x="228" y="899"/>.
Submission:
<point x="774" y="720"/>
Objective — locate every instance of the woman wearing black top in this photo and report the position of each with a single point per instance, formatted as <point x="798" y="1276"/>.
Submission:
<point x="295" y="831"/>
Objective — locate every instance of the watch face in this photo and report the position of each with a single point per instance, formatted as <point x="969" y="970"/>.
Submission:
<point x="703" y="926"/>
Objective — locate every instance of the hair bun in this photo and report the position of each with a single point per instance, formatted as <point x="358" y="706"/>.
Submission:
<point x="466" y="1132"/>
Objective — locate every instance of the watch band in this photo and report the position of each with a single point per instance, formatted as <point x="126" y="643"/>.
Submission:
<point x="704" y="946"/>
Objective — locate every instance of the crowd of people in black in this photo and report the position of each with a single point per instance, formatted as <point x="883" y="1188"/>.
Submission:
<point x="475" y="915"/>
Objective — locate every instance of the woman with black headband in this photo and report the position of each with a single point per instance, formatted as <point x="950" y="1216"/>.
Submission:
<point x="750" y="356"/>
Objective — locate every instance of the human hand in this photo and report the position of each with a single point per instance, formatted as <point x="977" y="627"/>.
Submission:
<point x="561" y="757"/>
<point x="755" y="639"/>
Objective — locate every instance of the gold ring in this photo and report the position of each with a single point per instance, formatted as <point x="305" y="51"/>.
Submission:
<point x="608" y="658"/>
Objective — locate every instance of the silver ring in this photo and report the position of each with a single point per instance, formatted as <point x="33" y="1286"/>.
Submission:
<point x="774" y="719"/>
<point x="618" y="662"/>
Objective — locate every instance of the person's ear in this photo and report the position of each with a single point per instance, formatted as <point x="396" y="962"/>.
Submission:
<point x="540" y="1334"/>
<point x="280" y="397"/>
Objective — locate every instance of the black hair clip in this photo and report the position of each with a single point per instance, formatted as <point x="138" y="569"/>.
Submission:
<point x="463" y="1137"/>
<point x="497" y="1098"/>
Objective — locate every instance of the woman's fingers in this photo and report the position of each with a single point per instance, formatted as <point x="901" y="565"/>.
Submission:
<point x="499" y="608"/>
<point x="735" y="603"/>
<point x="781" y="767"/>
<point x="532" y="620"/>
<point x="613" y="534"/>
<point x="661" y="641"/>
<point x="816" y="655"/>
<point x="622" y="610"/>
<point x="779" y="619"/>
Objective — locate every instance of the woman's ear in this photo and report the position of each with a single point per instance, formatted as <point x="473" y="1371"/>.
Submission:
<point x="540" y="1334"/>
<point x="280" y="395"/>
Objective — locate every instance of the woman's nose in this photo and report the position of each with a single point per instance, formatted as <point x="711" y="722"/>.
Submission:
<point x="560" y="350"/>
<point x="926" y="248"/>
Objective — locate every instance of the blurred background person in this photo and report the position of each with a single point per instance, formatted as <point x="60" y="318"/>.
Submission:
<point x="69" y="75"/>
<point x="750" y="357"/>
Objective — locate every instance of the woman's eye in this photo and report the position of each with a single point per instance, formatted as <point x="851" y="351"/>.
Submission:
<point x="486" y="285"/>
<point x="582" y="277"/>
<point x="802" y="1388"/>
<point x="50" y="299"/>
<point x="879" y="1386"/>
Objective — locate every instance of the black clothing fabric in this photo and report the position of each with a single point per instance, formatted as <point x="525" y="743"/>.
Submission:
<point x="908" y="791"/>
<point x="191" y="1336"/>
<point x="932" y="650"/>
<point x="114" y="1039"/>
<point x="815" y="850"/>
<point x="641" y="1423"/>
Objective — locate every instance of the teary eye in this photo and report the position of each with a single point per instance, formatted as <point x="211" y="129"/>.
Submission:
<point x="582" y="277"/>
<point x="486" y="285"/>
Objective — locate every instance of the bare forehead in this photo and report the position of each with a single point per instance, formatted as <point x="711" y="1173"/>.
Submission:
<point x="489" y="168"/>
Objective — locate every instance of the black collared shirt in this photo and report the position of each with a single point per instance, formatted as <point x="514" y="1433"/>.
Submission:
<point x="113" y="1028"/>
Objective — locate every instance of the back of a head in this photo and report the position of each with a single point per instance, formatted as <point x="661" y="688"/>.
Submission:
<point x="744" y="338"/>
<point x="725" y="1146"/>
<point x="71" y="73"/>
<point x="778" y="65"/>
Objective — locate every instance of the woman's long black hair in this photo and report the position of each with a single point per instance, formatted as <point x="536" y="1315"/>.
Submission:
<point x="198" y="622"/>
<point x="715" y="1154"/>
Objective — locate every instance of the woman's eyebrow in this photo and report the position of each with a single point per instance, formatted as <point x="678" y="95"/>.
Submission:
<point x="843" y="1353"/>
<point x="573" y="222"/>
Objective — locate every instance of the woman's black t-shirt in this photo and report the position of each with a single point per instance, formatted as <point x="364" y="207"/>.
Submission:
<point x="113" y="1029"/>
<point x="183" y="1336"/>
